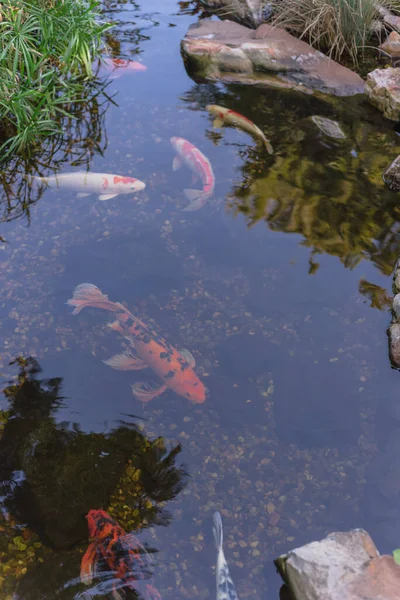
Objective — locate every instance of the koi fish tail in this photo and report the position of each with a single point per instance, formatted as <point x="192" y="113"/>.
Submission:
<point x="268" y="146"/>
<point x="197" y="199"/>
<point x="151" y="593"/>
<point x="87" y="294"/>
<point x="217" y="530"/>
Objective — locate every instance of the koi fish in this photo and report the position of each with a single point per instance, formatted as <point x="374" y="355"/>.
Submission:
<point x="224" y="116"/>
<point x="225" y="587"/>
<point x="175" y="368"/>
<point x="121" y="552"/>
<point x="107" y="185"/>
<point x="119" y="66"/>
<point x="188" y="154"/>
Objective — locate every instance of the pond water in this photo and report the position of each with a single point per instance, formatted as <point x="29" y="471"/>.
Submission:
<point x="269" y="285"/>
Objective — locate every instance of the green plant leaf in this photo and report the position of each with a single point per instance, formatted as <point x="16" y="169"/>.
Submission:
<point x="396" y="556"/>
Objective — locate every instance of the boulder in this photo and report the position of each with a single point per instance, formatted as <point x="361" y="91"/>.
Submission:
<point x="343" y="566"/>
<point x="226" y="51"/>
<point x="246" y="12"/>
<point x="391" y="45"/>
<point x="383" y="90"/>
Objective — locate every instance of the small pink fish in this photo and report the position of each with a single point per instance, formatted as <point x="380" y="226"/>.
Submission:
<point x="118" y="66"/>
<point x="188" y="154"/>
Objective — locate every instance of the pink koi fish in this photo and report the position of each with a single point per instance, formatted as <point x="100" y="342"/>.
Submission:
<point x="188" y="154"/>
<point x="119" y="66"/>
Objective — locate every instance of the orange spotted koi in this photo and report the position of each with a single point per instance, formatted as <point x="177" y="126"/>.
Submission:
<point x="174" y="368"/>
<point x="187" y="153"/>
<point x="121" y="552"/>
<point x="225" y="116"/>
<point x="120" y="66"/>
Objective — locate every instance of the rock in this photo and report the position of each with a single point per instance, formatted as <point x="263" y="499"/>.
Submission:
<point x="226" y="51"/>
<point x="394" y="344"/>
<point x="246" y="12"/>
<point x="396" y="306"/>
<point x="392" y="175"/>
<point x="396" y="278"/>
<point x="383" y="90"/>
<point x="392" y="20"/>
<point x="330" y="128"/>
<point x="391" y="45"/>
<point x="343" y="566"/>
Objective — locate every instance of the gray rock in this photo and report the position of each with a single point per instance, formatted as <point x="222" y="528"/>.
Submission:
<point x="226" y="51"/>
<point x="383" y="90"/>
<point x="394" y="344"/>
<point x="245" y="12"/>
<point x="392" y="175"/>
<point x="343" y="566"/>
<point x="330" y="128"/>
<point x="396" y="278"/>
<point x="396" y="306"/>
<point x="391" y="45"/>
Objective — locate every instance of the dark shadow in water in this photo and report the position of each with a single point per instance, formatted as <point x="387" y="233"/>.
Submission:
<point x="52" y="474"/>
<point x="83" y="136"/>
<point x="329" y="191"/>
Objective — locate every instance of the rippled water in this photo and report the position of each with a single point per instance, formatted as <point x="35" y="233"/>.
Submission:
<point x="298" y="435"/>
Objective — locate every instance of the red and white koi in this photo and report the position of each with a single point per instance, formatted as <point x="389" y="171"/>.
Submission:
<point x="174" y="368"/>
<point x="225" y="116"/>
<point x="188" y="154"/>
<point x="119" y="66"/>
<point x="107" y="185"/>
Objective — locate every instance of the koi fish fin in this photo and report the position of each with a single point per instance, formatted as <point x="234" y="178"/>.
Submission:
<point x="103" y="197"/>
<point x="176" y="163"/>
<point x="197" y="199"/>
<point x="195" y="178"/>
<point x="188" y="356"/>
<point x="125" y="362"/>
<point x="115" y="326"/>
<point x="217" y="530"/>
<point x="218" y="122"/>
<point x="145" y="391"/>
<point x="268" y="146"/>
<point x="87" y="294"/>
<point x="89" y="564"/>
<point x="82" y="194"/>
<point x="117" y="595"/>
<point x="151" y="593"/>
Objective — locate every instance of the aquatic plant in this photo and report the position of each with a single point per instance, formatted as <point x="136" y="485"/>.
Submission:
<point x="339" y="27"/>
<point x="46" y="54"/>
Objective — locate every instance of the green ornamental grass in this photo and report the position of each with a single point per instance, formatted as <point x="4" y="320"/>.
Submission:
<point x="338" y="27"/>
<point x="47" y="48"/>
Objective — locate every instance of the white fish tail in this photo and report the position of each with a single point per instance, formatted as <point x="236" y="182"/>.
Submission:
<point x="218" y="531"/>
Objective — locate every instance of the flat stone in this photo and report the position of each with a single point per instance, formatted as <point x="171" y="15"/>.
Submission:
<point x="392" y="175"/>
<point x="229" y="52"/>
<point x="394" y="345"/>
<point x="383" y="90"/>
<point x="379" y="581"/>
<point x="391" y="45"/>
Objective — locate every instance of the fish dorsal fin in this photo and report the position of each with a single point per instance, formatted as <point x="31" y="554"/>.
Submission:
<point x="188" y="356"/>
<point x="217" y="530"/>
<point x="176" y="163"/>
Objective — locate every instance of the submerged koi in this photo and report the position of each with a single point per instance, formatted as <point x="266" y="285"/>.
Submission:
<point x="225" y="587"/>
<point x="188" y="154"/>
<point x="225" y="116"/>
<point x="173" y="367"/>
<point x="121" y="552"/>
<point x="119" y="66"/>
<point x="107" y="185"/>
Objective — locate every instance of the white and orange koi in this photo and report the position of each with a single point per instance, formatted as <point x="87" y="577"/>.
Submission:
<point x="225" y="116"/>
<point x="174" y="367"/>
<point x="107" y="185"/>
<point x="120" y="66"/>
<point x="188" y="154"/>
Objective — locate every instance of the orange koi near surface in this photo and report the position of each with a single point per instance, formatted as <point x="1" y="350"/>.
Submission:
<point x="173" y="367"/>
<point x="121" y="552"/>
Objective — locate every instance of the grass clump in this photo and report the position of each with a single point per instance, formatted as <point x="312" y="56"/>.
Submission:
<point x="338" y="27"/>
<point x="46" y="52"/>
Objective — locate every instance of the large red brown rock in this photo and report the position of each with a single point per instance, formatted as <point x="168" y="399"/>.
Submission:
<point x="229" y="52"/>
<point x="383" y="90"/>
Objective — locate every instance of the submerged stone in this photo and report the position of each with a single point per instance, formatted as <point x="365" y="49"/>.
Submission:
<point x="392" y="175"/>
<point x="383" y="90"/>
<point x="330" y="128"/>
<point x="229" y="52"/>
